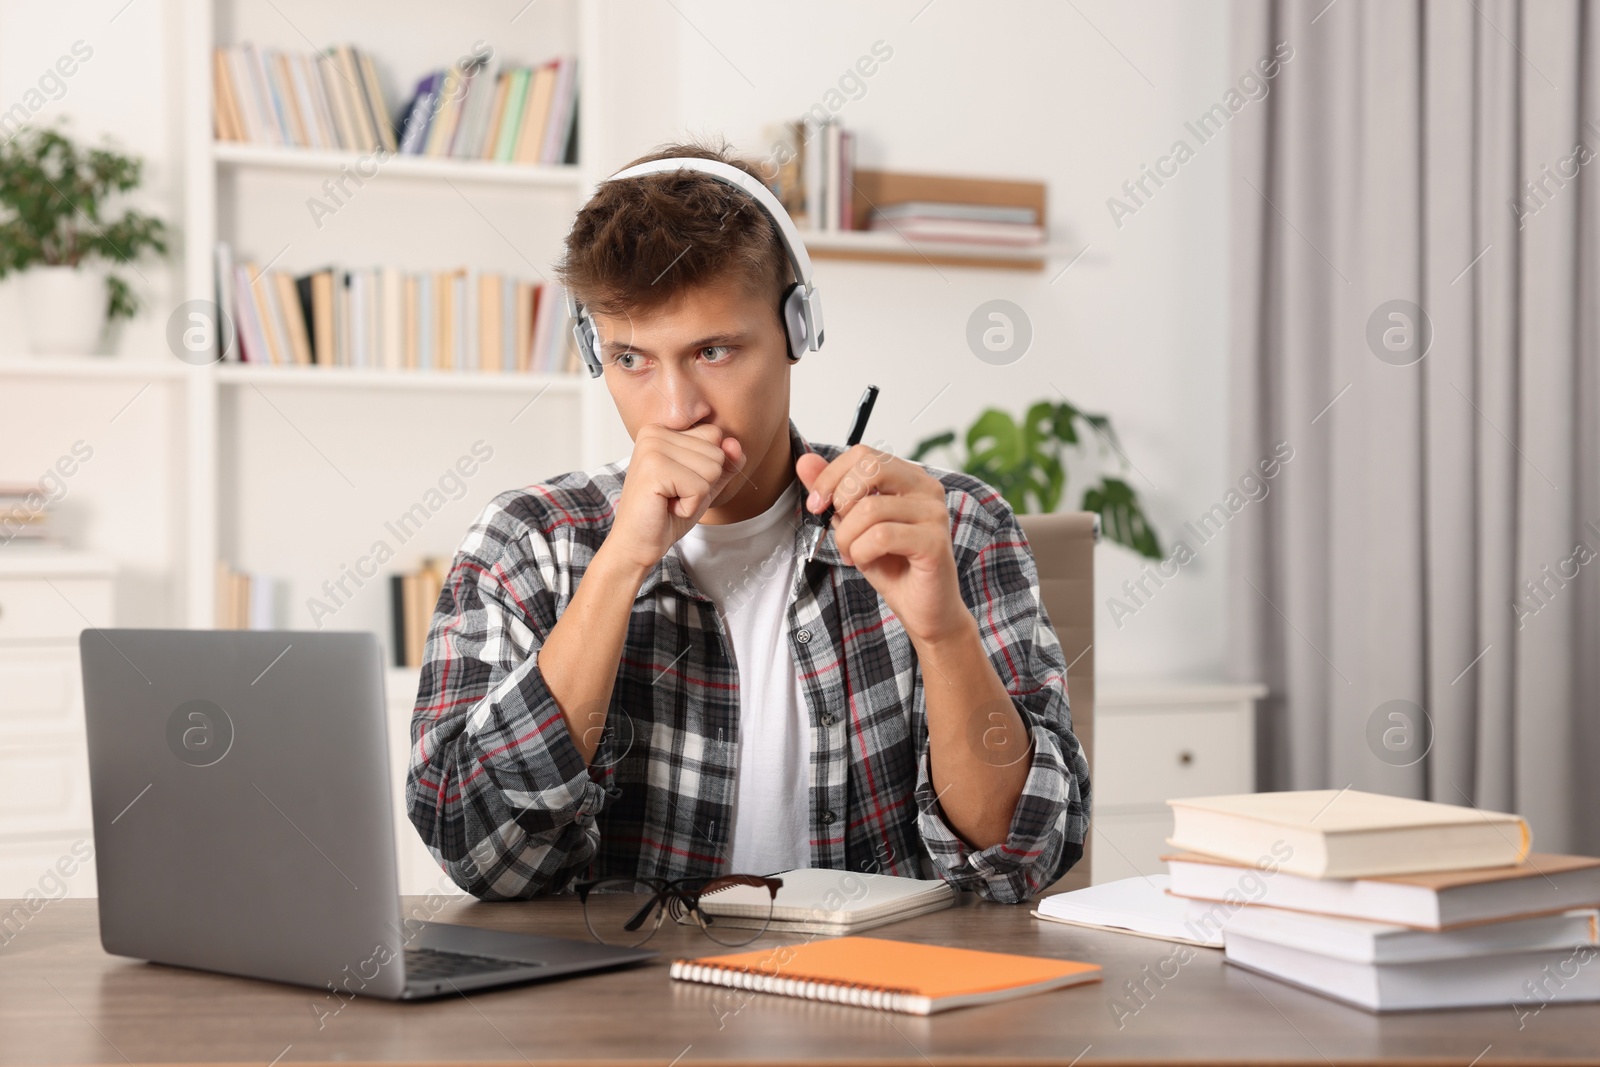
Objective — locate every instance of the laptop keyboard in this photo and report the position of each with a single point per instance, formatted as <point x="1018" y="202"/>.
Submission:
<point x="429" y="963"/>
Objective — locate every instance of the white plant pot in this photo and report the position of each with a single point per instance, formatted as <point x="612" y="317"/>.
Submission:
<point x="64" y="309"/>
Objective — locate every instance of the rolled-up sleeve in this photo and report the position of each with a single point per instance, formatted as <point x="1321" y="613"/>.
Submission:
<point x="1000" y="584"/>
<point x="496" y="787"/>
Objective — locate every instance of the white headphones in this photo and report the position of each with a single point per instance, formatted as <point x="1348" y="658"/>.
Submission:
<point x="800" y="310"/>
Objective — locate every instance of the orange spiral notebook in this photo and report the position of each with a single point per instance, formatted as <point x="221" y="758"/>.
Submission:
<point x="894" y="975"/>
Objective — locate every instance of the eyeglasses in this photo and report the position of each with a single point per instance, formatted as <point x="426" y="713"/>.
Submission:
<point x="740" y="907"/>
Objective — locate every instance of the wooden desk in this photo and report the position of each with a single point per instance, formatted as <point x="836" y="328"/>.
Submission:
<point x="63" y="1000"/>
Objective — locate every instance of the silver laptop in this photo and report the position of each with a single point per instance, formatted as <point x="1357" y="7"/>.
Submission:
<point x="243" y="820"/>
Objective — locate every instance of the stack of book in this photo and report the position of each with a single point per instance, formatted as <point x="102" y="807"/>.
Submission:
<point x="811" y="172"/>
<point x="386" y="318"/>
<point x="245" y="601"/>
<point x="25" y="516"/>
<point x="412" y="596"/>
<point x="333" y="101"/>
<point x="329" y="100"/>
<point x="980" y="224"/>
<point x="1385" y="902"/>
<point x="519" y="115"/>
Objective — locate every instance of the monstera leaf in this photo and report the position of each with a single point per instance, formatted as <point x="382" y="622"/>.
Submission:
<point x="1025" y="463"/>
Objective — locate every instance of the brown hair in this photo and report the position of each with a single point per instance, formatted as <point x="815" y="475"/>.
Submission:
<point x="641" y="241"/>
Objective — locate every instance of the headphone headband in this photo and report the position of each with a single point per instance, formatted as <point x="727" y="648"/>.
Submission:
<point x="801" y="310"/>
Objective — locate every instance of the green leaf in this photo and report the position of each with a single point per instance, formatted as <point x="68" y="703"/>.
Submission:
<point x="1122" y="519"/>
<point x="928" y="444"/>
<point x="994" y="442"/>
<point x="1024" y="462"/>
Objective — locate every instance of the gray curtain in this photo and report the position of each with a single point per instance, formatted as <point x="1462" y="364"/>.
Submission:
<point x="1434" y="544"/>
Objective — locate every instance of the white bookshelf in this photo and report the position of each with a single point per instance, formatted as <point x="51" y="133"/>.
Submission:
<point x="415" y="212"/>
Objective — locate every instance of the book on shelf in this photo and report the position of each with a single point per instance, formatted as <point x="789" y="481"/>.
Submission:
<point x="958" y="231"/>
<point x="412" y="596"/>
<point x="1387" y="903"/>
<point x="25" y="516"/>
<point x="514" y="115"/>
<point x="390" y="319"/>
<point x="871" y="972"/>
<point x="245" y="601"/>
<point x="334" y="101"/>
<point x="811" y="168"/>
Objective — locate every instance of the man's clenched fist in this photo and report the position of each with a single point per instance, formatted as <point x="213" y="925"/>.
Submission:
<point x="672" y="479"/>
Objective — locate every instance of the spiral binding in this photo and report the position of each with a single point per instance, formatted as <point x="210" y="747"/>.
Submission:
<point x="860" y="994"/>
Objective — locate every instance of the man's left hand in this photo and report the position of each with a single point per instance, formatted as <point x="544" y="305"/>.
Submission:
<point x="891" y="523"/>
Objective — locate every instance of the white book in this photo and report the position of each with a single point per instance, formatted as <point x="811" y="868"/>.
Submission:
<point x="357" y="309"/>
<point x="276" y="123"/>
<point x="244" y="90"/>
<point x="374" y="313"/>
<point x="812" y="176"/>
<point x="563" y="107"/>
<point x="261" y="602"/>
<point x="817" y="900"/>
<point x="939" y="209"/>
<point x="1522" y="980"/>
<point x="1542" y="885"/>
<point x="393" y="329"/>
<point x="475" y="113"/>
<point x="1140" y="906"/>
<point x="343" y="354"/>
<point x="1385" y="943"/>
<point x="308" y="91"/>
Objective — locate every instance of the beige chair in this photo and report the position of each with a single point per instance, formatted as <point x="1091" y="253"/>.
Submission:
<point x="1063" y="552"/>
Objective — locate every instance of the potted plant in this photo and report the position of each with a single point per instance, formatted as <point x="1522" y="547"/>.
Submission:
<point x="57" y="230"/>
<point x="1025" y="462"/>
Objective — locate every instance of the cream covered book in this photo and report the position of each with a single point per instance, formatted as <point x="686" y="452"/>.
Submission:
<point x="1344" y="833"/>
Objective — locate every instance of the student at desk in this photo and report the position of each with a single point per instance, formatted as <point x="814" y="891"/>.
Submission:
<point x="638" y="671"/>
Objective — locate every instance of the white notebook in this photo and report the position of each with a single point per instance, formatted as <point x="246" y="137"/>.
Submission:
<point x="817" y="900"/>
<point x="1140" y="906"/>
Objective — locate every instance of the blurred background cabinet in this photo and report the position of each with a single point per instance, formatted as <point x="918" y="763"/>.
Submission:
<point x="46" y="598"/>
<point x="1155" y="741"/>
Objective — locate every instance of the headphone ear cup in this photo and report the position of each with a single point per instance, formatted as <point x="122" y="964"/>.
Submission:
<point x="584" y="332"/>
<point x="792" y="312"/>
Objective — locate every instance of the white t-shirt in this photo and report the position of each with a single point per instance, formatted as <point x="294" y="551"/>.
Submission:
<point x="747" y="568"/>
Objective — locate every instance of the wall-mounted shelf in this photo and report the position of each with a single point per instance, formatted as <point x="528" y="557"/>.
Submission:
<point x="245" y="156"/>
<point x="874" y="188"/>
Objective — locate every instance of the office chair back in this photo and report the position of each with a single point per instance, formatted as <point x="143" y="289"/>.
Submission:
<point x="1063" y="552"/>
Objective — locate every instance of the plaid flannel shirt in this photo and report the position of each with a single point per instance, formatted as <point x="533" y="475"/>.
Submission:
<point x="506" y="804"/>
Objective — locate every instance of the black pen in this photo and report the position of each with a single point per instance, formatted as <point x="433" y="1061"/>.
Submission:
<point x="858" y="427"/>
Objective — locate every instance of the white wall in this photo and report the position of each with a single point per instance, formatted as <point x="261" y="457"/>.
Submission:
<point x="1077" y="95"/>
<point x="1137" y="328"/>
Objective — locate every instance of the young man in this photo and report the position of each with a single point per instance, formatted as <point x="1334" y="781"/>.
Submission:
<point x="635" y="671"/>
